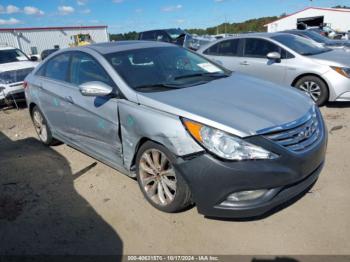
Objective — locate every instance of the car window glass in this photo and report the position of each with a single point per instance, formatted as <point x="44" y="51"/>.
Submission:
<point x="41" y="71"/>
<point x="213" y="50"/>
<point x="147" y="35"/>
<point x="57" y="67"/>
<point x="84" y="68"/>
<point x="166" y="65"/>
<point x="12" y="55"/>
<point x="224" y="48"/>
<point x="162" y="36"/>
<point x="259" y="48"/>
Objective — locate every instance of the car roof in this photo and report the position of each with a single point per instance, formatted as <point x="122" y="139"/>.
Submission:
<point x="119" y="46"/>
<point x="261" y="35"/>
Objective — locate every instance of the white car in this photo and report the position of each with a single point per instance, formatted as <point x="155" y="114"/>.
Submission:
<point x="14" y="67"/>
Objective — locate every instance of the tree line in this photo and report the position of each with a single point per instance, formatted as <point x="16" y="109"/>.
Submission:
<point x="252" y="25"/>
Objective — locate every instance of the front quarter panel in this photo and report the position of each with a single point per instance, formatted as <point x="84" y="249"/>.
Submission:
<point x="139" y="122"/>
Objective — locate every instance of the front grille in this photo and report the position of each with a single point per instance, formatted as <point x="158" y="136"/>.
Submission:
<point x="301" y="137"/>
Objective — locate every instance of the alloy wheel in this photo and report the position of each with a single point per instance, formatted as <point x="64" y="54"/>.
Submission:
<point x="158" y="177"/>
<point x="312" y="89"/>
<point x="40" y="125"/>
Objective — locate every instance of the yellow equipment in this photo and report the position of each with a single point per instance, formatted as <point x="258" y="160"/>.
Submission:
<point x="81" y="40"/>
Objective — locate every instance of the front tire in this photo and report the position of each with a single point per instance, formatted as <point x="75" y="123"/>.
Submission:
<point x="314" y="87"/>
<point x="159" y="182"/>
<point x="42" y="128"/>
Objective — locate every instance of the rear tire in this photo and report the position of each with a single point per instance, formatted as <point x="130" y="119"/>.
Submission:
<point x="42" y="128"/>
<point x="163" y="187"/>
<point x="315" y="87"/>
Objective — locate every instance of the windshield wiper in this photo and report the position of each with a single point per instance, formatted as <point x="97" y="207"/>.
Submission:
<point x="157" y="86"/>
<point x="218" y="75"/>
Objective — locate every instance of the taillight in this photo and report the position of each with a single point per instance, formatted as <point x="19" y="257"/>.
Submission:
<point x="25" y="84"/>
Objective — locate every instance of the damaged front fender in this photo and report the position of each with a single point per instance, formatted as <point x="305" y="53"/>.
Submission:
<point x="139" y="122"/>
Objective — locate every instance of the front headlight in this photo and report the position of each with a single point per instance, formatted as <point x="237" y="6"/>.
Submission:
<point x="225" y="145"/>
<point x="344" y="71"/>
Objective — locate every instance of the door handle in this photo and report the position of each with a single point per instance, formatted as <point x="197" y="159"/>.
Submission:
<point x="69" y="99"/>
<point x="245" y="63"/>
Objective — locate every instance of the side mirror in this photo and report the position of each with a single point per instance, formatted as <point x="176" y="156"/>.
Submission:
<point x="274" y="56"/>
<point x="33" y="58"/>
<point x="95" y="88"/>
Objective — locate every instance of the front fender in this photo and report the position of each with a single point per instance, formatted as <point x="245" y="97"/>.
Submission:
<point x="138" y="122"/>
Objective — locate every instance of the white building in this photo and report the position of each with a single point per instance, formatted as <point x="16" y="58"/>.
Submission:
<point x="338" y="19"/>
<point x="34" y="40"/>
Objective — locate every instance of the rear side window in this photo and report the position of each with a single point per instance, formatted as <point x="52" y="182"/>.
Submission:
<point x="84" y="68"/>
<point x="57" y="67"/>
<point x="224" y="48"/>
<point x="259" y="48"/>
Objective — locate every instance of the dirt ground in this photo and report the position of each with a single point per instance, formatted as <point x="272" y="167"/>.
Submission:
<point x="59" y="201"/>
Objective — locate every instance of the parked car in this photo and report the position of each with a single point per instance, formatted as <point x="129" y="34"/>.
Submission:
<point x="312" y="35"/>
<point x="189" y="130"/>
<point x="322" y="73"/>
<point x="175" y="36"/>
<point x="327" y="32"/>
<point x="48" y="52"/>
<point x="14" y="67"/>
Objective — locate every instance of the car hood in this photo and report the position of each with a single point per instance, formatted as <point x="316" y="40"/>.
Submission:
<point x="239" y="104"/>
<point x="17" y="65"/>
<point x="333" y="58"/>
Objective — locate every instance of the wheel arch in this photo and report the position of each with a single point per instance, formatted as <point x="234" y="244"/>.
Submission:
<point x="315" y="75"/>
<point x="31" y="107"/>
<point x="141" y="142"/>
<point x="309" y="74"/>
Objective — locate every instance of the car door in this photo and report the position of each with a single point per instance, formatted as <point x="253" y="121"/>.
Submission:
<point x="50" y="87"/>
<point x="93" y="121"/>
<point x="226" y="53"/>
<point x="254" y="61"/>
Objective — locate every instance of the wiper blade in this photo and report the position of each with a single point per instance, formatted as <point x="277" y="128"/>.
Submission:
<point x="202" y="74"/>
<point x="155" y="86"/>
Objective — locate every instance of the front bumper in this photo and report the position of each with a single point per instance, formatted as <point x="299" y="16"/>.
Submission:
<point x="212" y="180"/>
<point x="11" y="91"/>
<point x="339" y="86"/>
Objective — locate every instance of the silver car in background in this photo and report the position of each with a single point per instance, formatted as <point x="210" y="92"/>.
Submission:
<point x="189" y="130"/>
<point x="286" y="59"/>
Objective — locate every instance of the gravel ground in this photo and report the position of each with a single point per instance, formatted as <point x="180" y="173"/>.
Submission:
<point x="60" y="201"/>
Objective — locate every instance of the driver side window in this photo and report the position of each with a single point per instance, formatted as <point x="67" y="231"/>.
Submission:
<point x="84" y="68"/>
<point x="259" y="48"/>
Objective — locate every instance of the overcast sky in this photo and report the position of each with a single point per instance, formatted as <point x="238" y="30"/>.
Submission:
<point x="128" y="15"/>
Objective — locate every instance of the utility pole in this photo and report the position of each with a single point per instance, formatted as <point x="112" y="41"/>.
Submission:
<point x="225" y="24"/>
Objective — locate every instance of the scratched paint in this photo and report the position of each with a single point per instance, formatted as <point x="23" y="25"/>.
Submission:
<point x="101" y="124"/>
<point x="56" y="102"/>
<point x="130" y="121"/>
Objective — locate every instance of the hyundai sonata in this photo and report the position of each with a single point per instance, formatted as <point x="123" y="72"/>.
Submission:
<point x="189" y="130"/>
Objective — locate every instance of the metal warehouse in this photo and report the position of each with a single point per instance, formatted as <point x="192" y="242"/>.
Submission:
<point x="338" y="19"/>
<point x="34" y="40"/>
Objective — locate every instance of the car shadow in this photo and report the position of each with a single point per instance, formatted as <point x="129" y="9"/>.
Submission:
<point x="41" y="213"/>
<point x="338" y="104"/>
<point x="269" y="213"/>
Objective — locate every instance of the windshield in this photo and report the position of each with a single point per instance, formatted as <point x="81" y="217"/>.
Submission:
<point x="12" y="55"/>
<point x="316" y="37"/>
<point x="175" y="33"/>
<point x="300" y="45"/>
<point x="164" y="68"/>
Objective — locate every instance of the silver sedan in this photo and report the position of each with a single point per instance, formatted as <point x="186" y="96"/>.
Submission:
<point x="189" y="130"/>
<point x="286" y="59"/>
